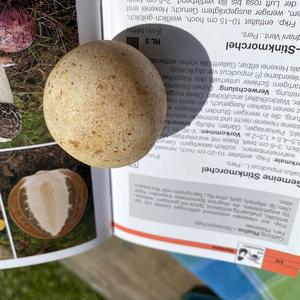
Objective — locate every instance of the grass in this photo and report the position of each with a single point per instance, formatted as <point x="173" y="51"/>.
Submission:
<point x="56" y="35"/>
<point x="5" y="249"/>
<point x="50" y="281"/>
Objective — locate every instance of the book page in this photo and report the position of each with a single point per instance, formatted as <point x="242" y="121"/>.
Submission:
<point x="223" y="180"/>
<point x="47" y="198"/>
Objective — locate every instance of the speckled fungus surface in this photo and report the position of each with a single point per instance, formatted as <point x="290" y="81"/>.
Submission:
<point x="17" y="29"/>
<point x="105" y="104"/>
<point x="48" y="204"/>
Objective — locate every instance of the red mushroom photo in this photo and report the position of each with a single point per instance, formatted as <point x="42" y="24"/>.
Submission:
<point x="17" y="29"/>
<point x="34" y="35"/>
<point x="17" y="32"/>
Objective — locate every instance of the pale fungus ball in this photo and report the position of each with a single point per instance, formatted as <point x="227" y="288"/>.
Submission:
<point x="105" y="104"/>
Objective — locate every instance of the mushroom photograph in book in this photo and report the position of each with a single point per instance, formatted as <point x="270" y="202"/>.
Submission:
<point x="48" y="199"/>
<point x="10" y="117"/>
<point x="48" y="204"/>
<point x="18" y="29"/>
<point x="34" y="35"/>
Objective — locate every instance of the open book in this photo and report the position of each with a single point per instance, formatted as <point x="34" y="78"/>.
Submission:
<point x="221" y="182"/>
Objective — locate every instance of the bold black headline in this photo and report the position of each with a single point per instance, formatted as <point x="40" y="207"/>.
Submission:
<point x="272" y="48"/>
<point x="251" y="175"/>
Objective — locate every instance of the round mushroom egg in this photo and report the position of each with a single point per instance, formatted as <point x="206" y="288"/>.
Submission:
<point x="105" y="104"/>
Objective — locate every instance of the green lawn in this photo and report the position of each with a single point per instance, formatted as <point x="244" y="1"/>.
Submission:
<point x="50" y="281"/>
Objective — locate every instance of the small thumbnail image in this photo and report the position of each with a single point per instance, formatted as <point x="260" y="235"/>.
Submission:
<point x="48" y="199"/>
<point x="34" y="35"/>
